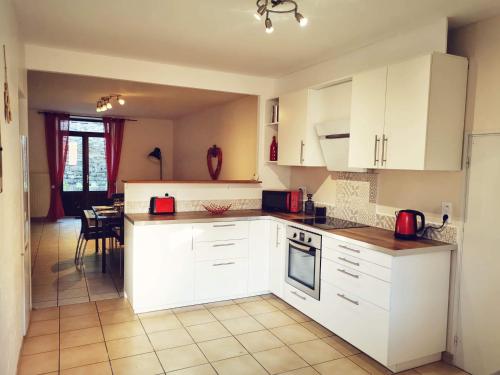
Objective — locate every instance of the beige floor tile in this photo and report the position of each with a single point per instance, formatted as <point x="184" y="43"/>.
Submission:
<point x="129" y="346"/>
<point x="316" y="351"/>
<point x="189" y="308"/>
<point x="317" y="329"/>
<point x="101" y="368"/>
<point x="244" y="365"/>
<point x="342" y="346"/>
<point x="43" y="305"/>
<point x="79" y="322"/>
<point x="211" y="305"/>
<point x="170" y="339"/>
<point x="208" y="331"/>
<point x="72" y="284"/>
<point x="83" y="355"/>
<point x="279" y="303"/>
<point x="156" y="314"/>
<point x="439" y="368"/>
<point x="81" y="337"/>
<point x="370" y="365"/>
<point x="122" y="330"/>
<point x="219" y="349"/>
<point x="72" y="301"/>
<point x="274" y="319"/>
<point x="160" y="323"/>
<point x="112" y="304"/>
<point x="190" y="318"/>
<point x="279" y="360"/>
<point x="45" y="327"/>
<point x="258" y="307"/>
<point x="117" y="316"/>
<point x="181" y="357"/>
<point x="342" y="366"/>
<point x="247" y="299"/>
<point x="104" y="296"/>
<point x="39" y="363"/>
<point x="302" y="371"/>
<point x="293" y="334"/>
<point x="40" y="344"/>
<point x="144" y="364"/>
<point x="296" y="315"/>
<point x="259" y="341"/>
<point x="205" y="369"/>
<point x="44" y="314"/>
<point x="73" y="293"/>
<point x="242" y="325"/>
<point x="228" y="312"/>
<point x="78" y="309"/>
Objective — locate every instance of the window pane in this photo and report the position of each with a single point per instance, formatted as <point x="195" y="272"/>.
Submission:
<point x="84" y="126"/>
<point x="73" y="172"/>
<point x="98" y="176"/>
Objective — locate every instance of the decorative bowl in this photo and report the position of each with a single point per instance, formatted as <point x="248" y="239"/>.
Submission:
<point x="216" y="209"/>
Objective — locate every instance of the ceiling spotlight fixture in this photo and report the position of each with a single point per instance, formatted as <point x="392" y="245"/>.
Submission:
<point x="104" y="103"/>
<point x="278" y="6"/>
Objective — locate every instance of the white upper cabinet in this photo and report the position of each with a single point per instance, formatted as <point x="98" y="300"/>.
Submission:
<point x="298" y="144"/>
<point x="414" y="118"/>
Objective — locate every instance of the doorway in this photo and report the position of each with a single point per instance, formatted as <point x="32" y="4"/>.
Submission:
<point x="85" y="180"/>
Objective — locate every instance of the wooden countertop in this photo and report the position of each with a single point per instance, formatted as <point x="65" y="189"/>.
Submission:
<point x="379" y="239"/>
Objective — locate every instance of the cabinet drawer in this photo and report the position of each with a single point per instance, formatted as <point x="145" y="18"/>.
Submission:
<point x="221" y="250"/>
<point x="220" y="231"/>
<point x="361" y="323"/>
<point x="358" y="251"/>
<point x="359" y="264"/>
<point x="367" y="287"/>
<point x="301" y="301"/>
<point x="221" y="279"/>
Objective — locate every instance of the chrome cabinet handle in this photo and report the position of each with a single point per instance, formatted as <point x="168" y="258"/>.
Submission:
<point x="348" y="299"/>
<point x="350" y="249"/>
<point x="348" y="273"/>
<point x="348" y="261"/>
<point x="384" y="149"/>
<point x="301" y="152"/>
<point x="277" y="235"/>
<point x="298" y="295"/>
<point x="223" y="225"/>
<point x="375" y="156"/>
<point x="222" y="264"/>
<point x="223" y="244"/>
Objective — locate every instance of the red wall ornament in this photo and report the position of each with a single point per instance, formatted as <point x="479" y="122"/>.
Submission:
<point x="214" y="152"/>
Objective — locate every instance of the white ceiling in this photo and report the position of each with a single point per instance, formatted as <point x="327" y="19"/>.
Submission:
<point x="78" y="95"/>
<point x="223" y="34"/>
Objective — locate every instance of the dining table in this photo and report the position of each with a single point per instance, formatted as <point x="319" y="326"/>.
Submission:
<point x="105" y="218"/>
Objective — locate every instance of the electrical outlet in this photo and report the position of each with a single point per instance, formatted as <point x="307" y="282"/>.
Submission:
<point x="447" y="209"/>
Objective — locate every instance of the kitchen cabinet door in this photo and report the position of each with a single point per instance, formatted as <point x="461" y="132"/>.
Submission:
<point x="406" y="115"/>
<point x="367" y="118"/>
<point x="258" y="256"/>
<point x="163" y="266"/>
<point x="277" y="252"/>
<point x="291" y="134"/>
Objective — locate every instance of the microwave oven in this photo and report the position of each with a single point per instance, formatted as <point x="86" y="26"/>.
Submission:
<point x="282" y="200"/>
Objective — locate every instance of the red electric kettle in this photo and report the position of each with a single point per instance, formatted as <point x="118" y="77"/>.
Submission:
<point x="406" y="224"/>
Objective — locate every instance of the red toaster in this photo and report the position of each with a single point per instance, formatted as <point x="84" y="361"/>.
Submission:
<point x="162" y="205"/>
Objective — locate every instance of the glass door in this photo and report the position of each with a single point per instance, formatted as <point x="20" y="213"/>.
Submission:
<point x="302" y="264"/>
<point x="85" y="175"/>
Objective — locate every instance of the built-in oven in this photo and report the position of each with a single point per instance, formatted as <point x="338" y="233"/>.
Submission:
<point x="303" y="260"/>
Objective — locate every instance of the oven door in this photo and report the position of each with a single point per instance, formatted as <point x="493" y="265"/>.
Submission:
<point x="303" y="264"/>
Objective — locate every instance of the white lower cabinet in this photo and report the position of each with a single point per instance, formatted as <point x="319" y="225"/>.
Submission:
<point x="277" y="249"/>
<point x="302" y="302"/>
<point x="258" y="256"/>
<point x="225" y="278"/>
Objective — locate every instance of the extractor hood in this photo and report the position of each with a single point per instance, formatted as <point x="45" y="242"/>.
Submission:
<point x="334" y="141"/>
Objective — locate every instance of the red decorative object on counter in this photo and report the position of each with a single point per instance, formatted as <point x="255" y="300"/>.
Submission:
<point x="214" y="152"/>
<point x="216" y="209"/>
<point x="273" y="155"/>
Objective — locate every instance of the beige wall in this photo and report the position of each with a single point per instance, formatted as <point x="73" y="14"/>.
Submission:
<point x="139" y="139"/>
<point x="232" y="126"/>
<point x="11" y="235"/>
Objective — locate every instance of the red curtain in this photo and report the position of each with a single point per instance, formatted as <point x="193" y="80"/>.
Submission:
<point x="56" y="139"/>
<point x="113" y="133"/>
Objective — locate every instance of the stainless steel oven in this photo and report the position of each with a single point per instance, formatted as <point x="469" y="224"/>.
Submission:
<point x="303" y="260"/>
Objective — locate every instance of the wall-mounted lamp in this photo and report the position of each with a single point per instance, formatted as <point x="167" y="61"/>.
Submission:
<point x="156" y="154"/>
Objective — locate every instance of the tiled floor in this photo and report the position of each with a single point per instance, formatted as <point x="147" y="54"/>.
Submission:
<point x="55" y="280"/>
<point x="256" y="335"/>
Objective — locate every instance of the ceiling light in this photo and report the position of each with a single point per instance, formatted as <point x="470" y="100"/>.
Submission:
<point x="121" y="101"/>
<point x="104" y="103"/>
<point x="269" y="26"/>
<point x="108" y="105"/>
<point x="280" y="7"/>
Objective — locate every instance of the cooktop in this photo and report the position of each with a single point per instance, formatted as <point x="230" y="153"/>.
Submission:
<point x="327" y="222"/>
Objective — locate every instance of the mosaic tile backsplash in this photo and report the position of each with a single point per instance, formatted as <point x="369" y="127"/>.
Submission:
<point x="197" y="205"/>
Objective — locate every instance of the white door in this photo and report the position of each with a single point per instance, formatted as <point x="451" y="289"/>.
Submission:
<point x="478" y="350"/>
<point x="367" y="118"/>
<point x="407" y="103"/>
<point x="291" y="132"/>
